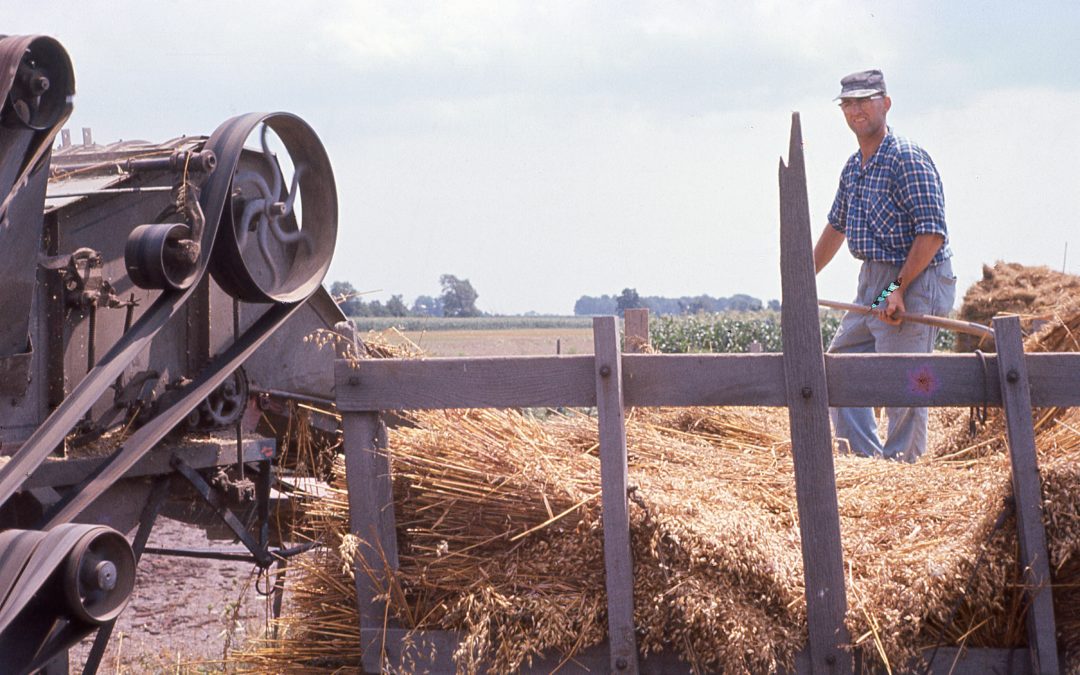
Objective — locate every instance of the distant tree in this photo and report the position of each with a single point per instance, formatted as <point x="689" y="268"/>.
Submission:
<point x="745" y="303"/>
<point x="425" y="305"/>
<point x="376" y="308"/>
<point x="628" y="299"/>
<point x="774" y="305"/>
<point x="395" y="306"/>
<point x="458" y="296"/>
<point x="692" y="305"/>
<point x="347" y="298"/>
<point x="588" y="305"/>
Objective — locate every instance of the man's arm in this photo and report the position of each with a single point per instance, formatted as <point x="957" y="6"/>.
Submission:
<point x="922" y="252"/>
<point x="827" y="245"/>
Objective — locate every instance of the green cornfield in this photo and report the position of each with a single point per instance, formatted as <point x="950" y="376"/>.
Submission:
<point x="734" y="331"/>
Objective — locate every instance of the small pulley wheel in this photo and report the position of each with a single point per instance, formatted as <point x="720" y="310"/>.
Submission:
<point x="43" y="84"/>
<point x="99" y="575"/>
<point x="161" y="256"/>
<point x="224" y="406"/>
<point x="279" y="223"/>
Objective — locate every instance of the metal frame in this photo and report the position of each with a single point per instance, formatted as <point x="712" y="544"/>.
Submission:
<point x="803" y="379"/>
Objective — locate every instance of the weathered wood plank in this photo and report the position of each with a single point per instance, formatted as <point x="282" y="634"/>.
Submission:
<point x="197" y="453"/>
<point x="703" y="379"/>
<point x="699" y="379"/>
<point x="478" y="382"/>
<point x="953" y="661"/>
<point x="432" y="652"/>
<point x="1027" y="491"/>
<point x="371" y="520"/>
<point x="945" y="379"/>
<point x="635" y="330"/>
<point x="618" y="560"/>
<point x="811" y="437"/>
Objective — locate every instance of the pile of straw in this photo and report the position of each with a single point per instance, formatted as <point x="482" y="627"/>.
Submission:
<point x="500" y="537"/>
<point x="1034" y="292"/>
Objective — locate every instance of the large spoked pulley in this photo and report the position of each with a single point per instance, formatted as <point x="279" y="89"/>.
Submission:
<point x="279" y="223"/>
<point x="99" y="575"/>
<point x="40" y="92"/>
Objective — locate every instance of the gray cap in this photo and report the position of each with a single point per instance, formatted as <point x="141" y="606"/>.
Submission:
<point x="862" y="84"/>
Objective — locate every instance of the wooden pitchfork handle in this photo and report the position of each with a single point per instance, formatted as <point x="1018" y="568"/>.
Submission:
<point x="968" y="327"/>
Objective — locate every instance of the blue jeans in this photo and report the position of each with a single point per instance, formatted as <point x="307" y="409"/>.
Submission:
<point x="932" y="292"/>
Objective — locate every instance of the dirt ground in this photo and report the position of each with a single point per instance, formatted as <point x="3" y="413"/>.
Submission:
<point x="184" y="613"/>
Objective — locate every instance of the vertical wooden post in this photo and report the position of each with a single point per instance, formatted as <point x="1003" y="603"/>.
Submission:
<point x="371" y="520"/>
<point x="808" y="410"/>
<point x="618" y="563"/>
<point x="636" y="330"/>
<point x="1027" y="491"/>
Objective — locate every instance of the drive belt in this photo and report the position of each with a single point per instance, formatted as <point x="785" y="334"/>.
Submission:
<point x="227" y="143"/>
<point x="57" y="586"/>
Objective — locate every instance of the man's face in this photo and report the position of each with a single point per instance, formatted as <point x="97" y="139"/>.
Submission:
<point x="866" y="116"/>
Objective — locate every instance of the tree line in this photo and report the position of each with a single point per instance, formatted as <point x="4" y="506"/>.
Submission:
<point x="588" y="305"/>
<point x="458" y="299"/>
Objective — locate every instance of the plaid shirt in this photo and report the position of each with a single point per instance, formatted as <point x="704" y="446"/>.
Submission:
<point x="880" y="207"/>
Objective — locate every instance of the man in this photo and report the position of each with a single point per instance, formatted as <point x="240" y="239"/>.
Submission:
<point x="891" y="209"/>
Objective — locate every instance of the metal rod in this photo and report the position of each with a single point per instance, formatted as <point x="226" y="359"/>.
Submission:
<point x="200" y="553"/>
<point x="277" y="393"/>
<point x="239" y="420"/>
<point x="968" y="327"/>
<point x="109" y="191"/>
<point x="206" y="554"/>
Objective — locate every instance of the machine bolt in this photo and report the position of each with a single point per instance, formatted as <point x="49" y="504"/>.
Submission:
<point x="353" y="381"/>
<point x="830" y="659"/>
<point x="1012" y="375"/>
<point x="806" y="392"/>
<point x="39" y="84"/>
<point x="102" y="576"/>
<point x="605" y="370"/>
<point x="621" y="663"/>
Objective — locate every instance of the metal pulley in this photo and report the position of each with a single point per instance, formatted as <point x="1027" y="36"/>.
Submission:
<point x="277" y="234"/>
<point x="40" y="90"/>
<point x="162" y="256"/>
<point x="56" y="587"/>
<point x="99" y="576"/>
<point x="166" y="256"/>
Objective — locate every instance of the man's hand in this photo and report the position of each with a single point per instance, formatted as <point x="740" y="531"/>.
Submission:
<point x="893" y="305"/>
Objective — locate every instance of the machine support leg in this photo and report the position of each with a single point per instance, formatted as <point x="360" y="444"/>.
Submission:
<point x="214" y="498"/>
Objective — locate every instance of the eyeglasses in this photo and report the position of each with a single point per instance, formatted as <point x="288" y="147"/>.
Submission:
<point x="849" y="103"/>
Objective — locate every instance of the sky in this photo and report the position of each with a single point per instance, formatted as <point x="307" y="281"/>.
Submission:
<point x="548" y="150"/>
